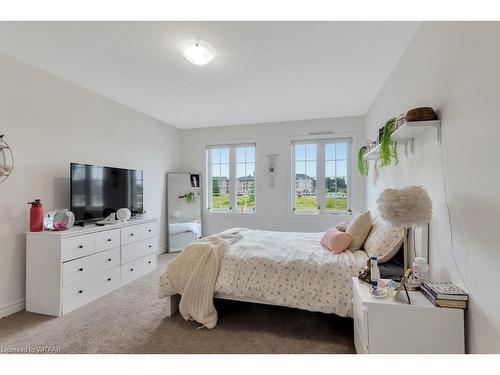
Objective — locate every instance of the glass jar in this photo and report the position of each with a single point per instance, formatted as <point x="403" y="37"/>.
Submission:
<point x="420" y="269"/>
<point x="59" y="220"/>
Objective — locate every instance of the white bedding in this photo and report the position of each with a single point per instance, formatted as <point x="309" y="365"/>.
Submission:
<point x="290" y="269"/>
<point x="194" y="227"/>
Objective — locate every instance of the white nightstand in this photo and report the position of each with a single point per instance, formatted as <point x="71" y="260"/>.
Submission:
<point x="388" y="326"/>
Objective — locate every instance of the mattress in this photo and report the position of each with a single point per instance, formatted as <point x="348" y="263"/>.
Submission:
<point x="290" y="269"/>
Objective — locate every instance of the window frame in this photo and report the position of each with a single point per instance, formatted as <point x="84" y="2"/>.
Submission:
<point x="232" y="178"/>
<point x="321" y="141"/>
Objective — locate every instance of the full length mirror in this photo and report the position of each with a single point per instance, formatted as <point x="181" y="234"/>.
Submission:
<point x="184" y="209"/>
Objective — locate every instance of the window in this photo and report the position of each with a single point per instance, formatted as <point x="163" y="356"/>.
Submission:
<point x="231" y="178"/>
<point x="320" y="176"/>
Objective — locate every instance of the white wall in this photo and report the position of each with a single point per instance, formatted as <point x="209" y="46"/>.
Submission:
<point x="272" y="204"/>
<point x="454" y="67"/>
<point x="49" y="122"/>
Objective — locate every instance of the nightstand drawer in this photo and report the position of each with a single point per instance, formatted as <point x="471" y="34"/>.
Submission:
<point x="360" y="317"/>
<point x="361" y="347"/>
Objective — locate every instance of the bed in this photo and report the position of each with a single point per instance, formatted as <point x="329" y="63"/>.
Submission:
<point x="287" y="269"/>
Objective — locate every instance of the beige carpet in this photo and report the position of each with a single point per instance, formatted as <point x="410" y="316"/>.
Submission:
<point x="132" y="320"/>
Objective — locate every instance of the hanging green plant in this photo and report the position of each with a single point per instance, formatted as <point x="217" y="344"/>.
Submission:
<point x="395" y="156"/>
<point x="190" y="197"/>
<point x="362" y="163"/>
<point x="388" y="148"/>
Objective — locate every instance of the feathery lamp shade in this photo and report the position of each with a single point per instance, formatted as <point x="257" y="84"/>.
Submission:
<point x="405" y="207"/>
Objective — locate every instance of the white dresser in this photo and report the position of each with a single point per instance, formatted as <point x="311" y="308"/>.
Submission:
<point x="67" y="269"/>
<point x="382" y="325"/>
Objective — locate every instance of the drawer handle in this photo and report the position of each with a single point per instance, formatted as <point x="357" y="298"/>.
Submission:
<point x="80" y="246"/>
<point x="150" y="246"/>
<point x="131" y="269"/>
<point x="131" y="234"/>
<point x="149" y="230"/>
<point x="109" y="239"/>
<point x="149" y="262"/>
<point x="109" y="259"/>
<point x="80" y="291"/>
<point x="80" y="269"/>
<point x="109" y="279"/>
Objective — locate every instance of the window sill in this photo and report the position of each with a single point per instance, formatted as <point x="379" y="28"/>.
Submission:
<point x="322" y="215"/>
<point x="229" y="213"/>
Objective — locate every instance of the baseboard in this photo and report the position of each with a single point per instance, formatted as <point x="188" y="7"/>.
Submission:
<point x="12" y="308"/>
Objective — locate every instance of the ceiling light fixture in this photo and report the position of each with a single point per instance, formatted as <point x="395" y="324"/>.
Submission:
<point x="197" y="53"/>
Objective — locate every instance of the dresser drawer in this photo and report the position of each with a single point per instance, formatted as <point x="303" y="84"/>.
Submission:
<point x="86" y="290"/>
<point x="149" y="230"/>
<point x="138" y="249"/>
<point x="138" y="267"/>
<point x="107" y="240"/>
<point x="131" y="234"/>
<point x="76" y="247"/>
<point x="82" y="268"/>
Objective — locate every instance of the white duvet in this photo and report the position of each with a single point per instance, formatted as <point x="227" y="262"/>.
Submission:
<point x="290" y="269"/>
<point x="186" y="227"/>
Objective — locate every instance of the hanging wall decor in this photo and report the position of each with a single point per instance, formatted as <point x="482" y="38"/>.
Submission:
<point x="6" y="159"/>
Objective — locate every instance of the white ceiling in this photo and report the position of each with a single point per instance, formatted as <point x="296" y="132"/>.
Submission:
<point x="263" y="72"/>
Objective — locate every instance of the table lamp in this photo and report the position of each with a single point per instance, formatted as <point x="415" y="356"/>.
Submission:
<point x="405" y="207"/>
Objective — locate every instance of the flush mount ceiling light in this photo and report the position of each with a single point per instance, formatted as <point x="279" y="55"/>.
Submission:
<point x="197" y="53"/>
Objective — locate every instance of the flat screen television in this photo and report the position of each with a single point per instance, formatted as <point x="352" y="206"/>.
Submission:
<point x="97" y="191"/>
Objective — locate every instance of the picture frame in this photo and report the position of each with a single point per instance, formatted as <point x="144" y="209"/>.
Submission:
<point x="195" y="180"/>
<point x="402" y="286"/>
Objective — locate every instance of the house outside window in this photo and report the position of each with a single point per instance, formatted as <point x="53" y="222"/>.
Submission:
<point x="321" y="178"/>
<point x="231" y="178"/>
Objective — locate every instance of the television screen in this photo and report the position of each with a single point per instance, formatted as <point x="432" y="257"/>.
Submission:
<point x="99" y="191"/>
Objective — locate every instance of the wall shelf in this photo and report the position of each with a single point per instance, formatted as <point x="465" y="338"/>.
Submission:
<point x="372" y="154"/>
<point x="411" y="130"/>
<point x="405" y="135"/>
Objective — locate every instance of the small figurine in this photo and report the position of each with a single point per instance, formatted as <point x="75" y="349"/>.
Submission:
<point x="365" y="273"/>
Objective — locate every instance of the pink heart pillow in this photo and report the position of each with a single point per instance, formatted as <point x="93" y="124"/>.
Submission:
<point x="335" y="240"/>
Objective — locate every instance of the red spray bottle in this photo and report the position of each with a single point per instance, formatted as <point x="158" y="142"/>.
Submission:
<point x="36" y="216"/>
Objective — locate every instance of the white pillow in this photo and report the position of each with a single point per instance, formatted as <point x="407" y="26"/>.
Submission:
<point x="358" y="228"/>
<point x="384" y="240"/>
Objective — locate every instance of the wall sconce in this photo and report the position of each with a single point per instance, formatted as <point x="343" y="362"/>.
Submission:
<point x="271" y="168"/>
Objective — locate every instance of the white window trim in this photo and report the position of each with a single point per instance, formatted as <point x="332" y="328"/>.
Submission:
<point x="351" y="179"/>
<point x="232" y="181"/>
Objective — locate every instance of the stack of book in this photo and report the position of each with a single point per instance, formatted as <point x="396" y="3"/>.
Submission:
<point x="445" y="294"/>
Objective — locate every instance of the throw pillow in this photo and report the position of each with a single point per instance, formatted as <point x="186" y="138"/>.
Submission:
<point x="342" y="226"/>
<point x="335" y="240"/>
<point x="358" y="228"/>
<point x="384" y="241"/>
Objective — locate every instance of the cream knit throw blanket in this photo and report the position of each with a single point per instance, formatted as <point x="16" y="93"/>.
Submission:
<point x="193" y="274"/>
